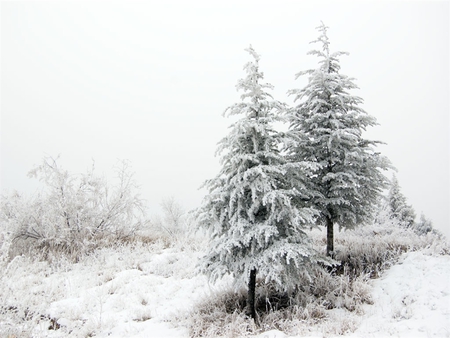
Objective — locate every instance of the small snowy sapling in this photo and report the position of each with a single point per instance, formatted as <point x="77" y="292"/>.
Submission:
<point x="398" y="207"/>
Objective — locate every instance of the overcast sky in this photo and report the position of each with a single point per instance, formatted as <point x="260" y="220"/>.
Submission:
<point x="148" y="82"/>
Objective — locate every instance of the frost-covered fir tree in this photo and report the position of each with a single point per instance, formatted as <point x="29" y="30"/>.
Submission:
<point x="327" y="125"/>
<point x="424" y="226"/>
<point x="399" y="209"/>
<point x="255" y="216"/>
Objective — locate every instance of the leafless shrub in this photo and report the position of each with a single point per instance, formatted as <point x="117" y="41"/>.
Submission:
<point x="74" y="214"/>
<point x="176" y="228"/>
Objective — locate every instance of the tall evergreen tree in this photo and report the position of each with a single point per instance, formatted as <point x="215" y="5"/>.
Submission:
<point x="254" y="214"/>
<point x="327" y="126"/>
<point x="398" y="207"/>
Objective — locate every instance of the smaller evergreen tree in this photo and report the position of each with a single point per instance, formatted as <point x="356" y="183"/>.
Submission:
<point x="424" y="225"/>
<point x="255" y="216"/>
<point x="398" y="207"/>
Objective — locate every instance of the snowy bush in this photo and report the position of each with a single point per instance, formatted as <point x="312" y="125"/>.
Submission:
<point x="74" y="214"/>
<point x="175" y="228"/>
<point x="372" y="249"/>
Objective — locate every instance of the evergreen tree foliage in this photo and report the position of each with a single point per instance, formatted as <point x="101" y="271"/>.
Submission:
<point x="398" y="207"/>
<point x="424" y="226"/>
<point x="255" y="216"/>
<point x="326" y="127"/>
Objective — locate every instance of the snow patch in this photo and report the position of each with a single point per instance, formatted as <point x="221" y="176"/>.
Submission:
<point x="412" y="299"/>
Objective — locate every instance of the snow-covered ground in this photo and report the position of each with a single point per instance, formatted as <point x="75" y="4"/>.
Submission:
<point x="412" y="299"/>
<point x="138" y="292"/>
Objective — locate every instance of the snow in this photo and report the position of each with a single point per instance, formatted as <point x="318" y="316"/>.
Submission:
<point x="411" y="300"/>
<point x="141" y="292"/>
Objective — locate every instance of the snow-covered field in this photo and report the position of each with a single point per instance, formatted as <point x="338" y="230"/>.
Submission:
<point x="146" y="291"/>
<point x="130" y="292"/>
<point x="412" y="299"/>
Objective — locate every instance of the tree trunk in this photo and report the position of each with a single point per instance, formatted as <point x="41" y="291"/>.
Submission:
<point x="330" y="237"/>
<point x="251" y="307"/>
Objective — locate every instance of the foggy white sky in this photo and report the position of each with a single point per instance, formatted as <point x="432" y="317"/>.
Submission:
<point x="148" y="82"/>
